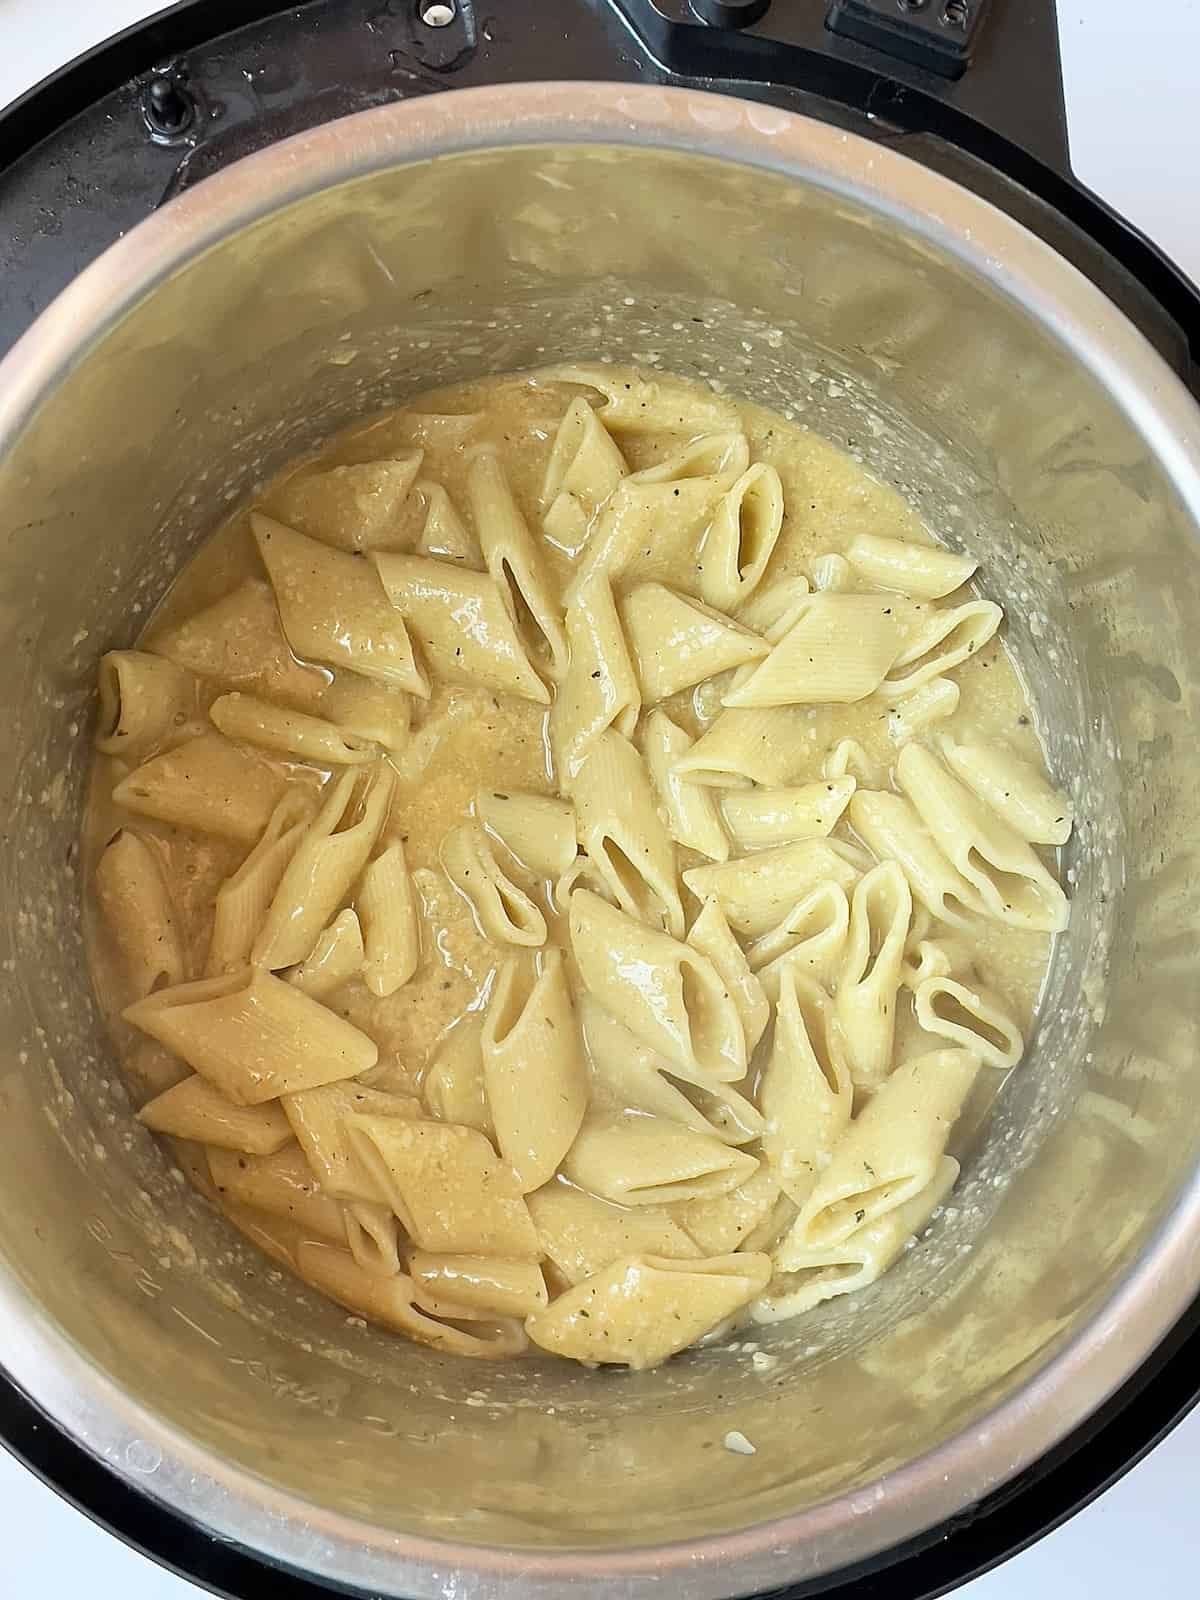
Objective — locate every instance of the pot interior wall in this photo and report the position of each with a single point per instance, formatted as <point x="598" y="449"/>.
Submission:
<point x="799" y="299"/>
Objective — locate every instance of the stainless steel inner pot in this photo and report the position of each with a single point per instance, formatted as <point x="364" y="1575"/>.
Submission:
<point x="958" y="357"/>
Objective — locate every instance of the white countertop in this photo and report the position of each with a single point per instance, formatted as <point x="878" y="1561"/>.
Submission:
<point x="1130" y="78"/>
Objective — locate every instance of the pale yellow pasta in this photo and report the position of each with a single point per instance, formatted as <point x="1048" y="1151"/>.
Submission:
<point x="924" y="571"/>
<point x="289" y="733"/>
<point x="942" y="642"/>
<point x="968" y="1016"/>
<point x="642" y="1309"/>
<point x="243" y="899"/>
<point x="333" y="850"/>
<point x="724" y="1224"/>
<point x="744" y="747"/>
<point x="253" y="1036"/>
<point x="806" y="1093"/>
<point x="772" y="608"/>
<point x="209" y="785"/>
<point x="372" y="1237"/>
<point x="741" y="538"/>
<point x="600" y="689"/>
<point x="869" y="981"/>
<point x="838" y="650"/>
<point x="318" y="1116"/>
<point x="537" y="829"/>
<point x="462" y="623"/>
<point x="1014" y="789"/>
<point x="676" y="641"/>
<point x="358" y="507"/>
<point x="444" y="534"/>
<point x="534" y="1072"/>
<point x="585" y="467"/>
<point x="758" y="819"/>
<point x="641" y="401"/>
<point x="333" y="607"/>
<point x="832" y="574"/>
<point x="512" y="557"/>
<point x="281" y="1185"/>
<point x="811" y="937"/>
<point x="934" y="701"/>
<point x="848" y="759"/>
<point x="672" y="998"/>
<point x="196" y="1109"/>
<point x="471" y="1287"/>
<point x="453" y="1088"/>
<point x="580" y="1234"/>
<point x="691" y="813"/>
<point x="376" y="712"/>
<point x="431" y="430"/>
<point x="504" y="912"/>
<point x="891" y="827"/>
<point x="622" y="834"/>
<point x="710" y="934"/>
<point x="1005" y="872"/>
<point x="756" y="891"/>
<point x="387" y="914"/>
<point x="336" y="957"/>
<point x="934" y="958"/>
<point x="133" y="898"/>
<point x="639" y="1160"/>
<point x="146" y="703"/>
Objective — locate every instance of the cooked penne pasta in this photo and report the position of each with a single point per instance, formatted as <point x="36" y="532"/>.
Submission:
<point x="376" y="712"/>
<point x="677" y="642"/>
<point x="252" y="1036"/>
<point x="691" y="813"/>
<point x="536" y="829"/>
<point x="970" y="1017"/>
<point x="470" y="1287"/>
<point x="372" y="1237"/>
<point x="357" y="508"/>
<point x="741" y="538"/>
<point x="280" y="1185"/>
<point x="642" y="1309"/>
<point x="336" y="957"/>
<point x="147" y="704"/>
<point x="811" y="937"/>
<point x="935" y="700"/>
<point x="848" y="759"/>
<point x="933" y="958"/>
<point x="195" y="1109"/>
<point x="387" y="912"/>
<point x="623" y="835"/>
<point x="639" y="401"/>
<point x="135" y="903"/>
<point x="724" y="1224"/>
<point x="880" y="914"/>
<point x="209" y="785"/>
<point x="243" y="899"/>
<point x="745" y="747"/>
<point x="534" y="1072"/>
<point x="838" y="650"/>
<point x="942" y="642"/>
<point x="759" y="819"/>
<point x="289" y="733"/>
<point x="580" y="1234"/>
<point x="585" y="467"/>
<point x="453" y="1088"/>
<point x="672" y="998"/>
<point x="462" y="624"/>
<point x="333" y="608"/>
<point x="923" y="571"/>
<point x="832" y="574"/>
<point x="600" y="689"/>
<point x="711" y="936"/>
<point x="638" y="1160"/>
<point x="806" y="1093"/>
<point x="434" y="430"/>
<point x="756" y="891"/>
<point x="333" y="850"/>
<point x="1016" y="791"/>
<point x="444" y="535"/>
<point x="890" y="827"/>
<point x="772" y="609"/>
<point x="502" y="909"/>
<point x="317" y="1118"/>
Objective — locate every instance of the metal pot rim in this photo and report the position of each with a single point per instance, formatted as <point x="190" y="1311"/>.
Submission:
<point x="234" y="1504"/>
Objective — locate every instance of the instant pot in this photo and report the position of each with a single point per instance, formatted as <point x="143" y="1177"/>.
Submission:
<point x="233" y="229"/>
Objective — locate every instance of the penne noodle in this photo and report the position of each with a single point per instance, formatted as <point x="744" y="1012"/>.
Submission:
<point x="242" y="900"/>
<point x="580" y="1235"/>
<point x="133" y="899"/>
<point x="848" y="759"/>
<point x="453" y="1088"/>
<point x="645" y="402"/>
<point x="832" y="574"/>
<point x="743" y="747"/>
<point x="469" y="1287"/>
<point x="677" y="642"/>
<point x="639" y="1160"/>
<point x="1013" y="789"/>
<point x="317" y="1118"/>
<point x="372" y="1237"/>
<point x="585" y="467"/>
<point x="536" y="829"/>
<point x="892" y="830"/>
<point x="880" y="914"/>
<point x="970" y="1017"/>
<point x="759" y="819"/>
<point x="387" y="915"/>
<point x="280" y="1185"/>
<point x="502" y="909"/>
<point x="147" y="704"/>
<point x="925" y="572"/>
<point x="838" y="650"/>
<point x="711" y="936"/>
<point x="757" y="891"/>
<point x="806" y="1092"/>
<point x="741" y="538"/>
<point x="195" y="1109"/>
<point x="811" y="938"/>
<point x="356" y="508"/>
<point x="692" y="816"/>
<point x="721" y="1226"/>
<point x="364" y="709"/>
<point x="289" y="733"/>
<point x="444" y="535"/>
<point x="935" y="700"/>
<point x="941" y="642"/>
<point x="336" y="957"/>
<point x="600" y="689"/>
<point x="208" y="785"/>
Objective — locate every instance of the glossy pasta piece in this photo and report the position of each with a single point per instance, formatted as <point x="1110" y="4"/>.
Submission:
<point x="943" y="641"/>
<point x="1014" y="789"/>
<point x="503" y="910"/>
<point x="642" y="1309"/>
<point x="581" y="1234"/>
<point x="446" y="1185"/>
<point x="243" y="899"/>
<point x="741" y="538"/>
<point x="136" y="906"/>
<point x="333" y="851"/>
<point x="469" y="1287"/>
<point x="722" y="1225"/>
<point x="336" y="957"/>
<point x="387" y="912"/>
<point x="923" y="571"/>
<point x="676" y="641"/>
<point x="377" y="713"/>
<point x="391" y="1302"/>
<point x="372" y="1237"/>
<point x="934" y="701"/>
<point x="357" y="508"/>
<point x="815" y="1274"/>
<point x="434" y="430"/>
<point x="195" y="1109"/>
<point x="208" y="785"/>
<point x="832" y="574"/>
<point x="806" y="1093"/>
<point x="444" y="535"/>
<point x="600" y="689"/>
<point x="537" y="829"/>
<point x="772" y="609"/>
<point x="648" y="1161"/>
<point x="744" y="747"/>
<point x="848" y="759"/>
<point x="1001" y="867"/>
<point x="869" y="983"/>
<point x="890" y="827"/>
<point x="280" y="1185"/>
<point x="811" y="938"/>
<point x="837" y="651"/>
<point x="462" y="624"/>
<point x="643" y="401"/>
<point x="757" y="891"/>
<point x="333" y="608"/>
<point x="585" y="467"/>
<point x="517" y="565"/>
<point x="933" y="958"/>
<point x="692" y="816"/>
<point x="760" y="819"/>
<point x="289" y="733"/>
<point x="146" y="704"/>
<point x="664" y="992"/>
<point x="889" y="1153"/>
<point x="317" y="1118"/>
<point x="238" y="640"/>
<point x="710" y="935"/>
<point x="965" y="1015"/>
<point x="453" y="1088"/>
<point x="534" y="1071"/>
<point x="623" y="835"/>
<point x="253" y="1036"/>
